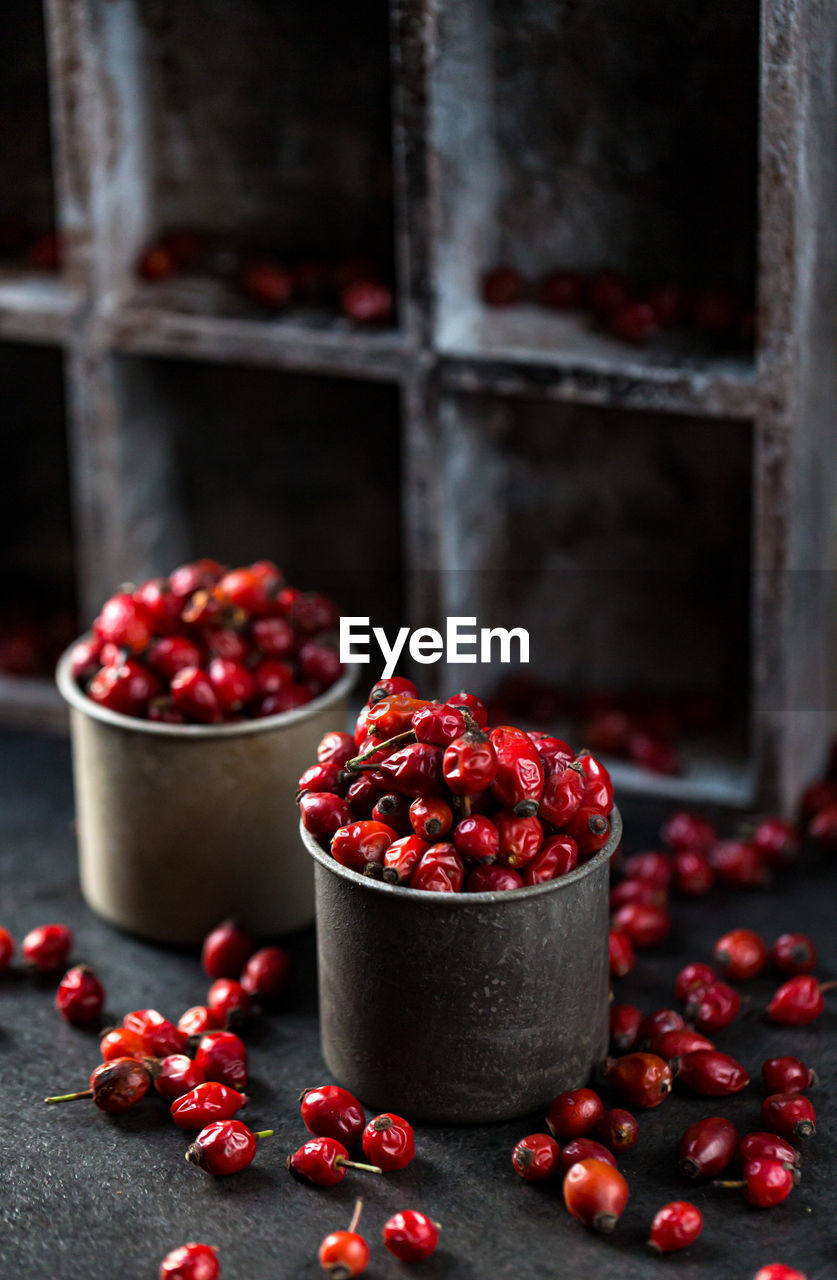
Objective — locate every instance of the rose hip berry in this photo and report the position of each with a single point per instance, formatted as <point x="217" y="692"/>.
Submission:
<point x="47" y="947"/>
<point x="596" y="1194"/>
<point x="798" y="1001"/>
<point x="793" y="953"/>
<point x="226" y="950"/>
<point x="777" y="841"/>
<point x="120" y="1042"/>
<point x="766" y="1146"/>
<point x="693" y="874"/>
<point x="618" y="1130"/>
<point x="344" y="1254"/>
<point x="740" y="954"/>
<point x="557" y="856"/>
<point x="737" y="863"/>
<point x="622" y="956"/>
<point x="331" y="1112"/>
<point x="675" y="1226"/>
<point x="657" y="1023"/>
<point x="585" y="1149"/>
<point x="789" y="1114"/>
<point x="222" y="1056"/>
<point x="204" y="1103"/>
<point x="778" y="1271"/>
<point x="708" y="1147"/>
<point x="714" y="1007"/>
<point x="654" y="867"/>
<point x="625" y="1021"/>
<point x="225" y="1147"/>
<point x="431" y="817"/>
<point x="685" y="830"/>
<point x="766" y="1183"/>
<point x="389" y="1142"/>
<point x="361" y="843"/>
<point x="228" y="998"/>
<point x="710" y="1073"/>
<point x="402" y="857"/>
<point x="265" y="975"/>
<point x="410" y="1235"/>
<point x="787" y="1075"/>
<point x="477" y="838"/>
<point x="643" y="1079"/>
<point x="115" y="1086"/>
<point x="497" y="879"/>
<point x="645" y="925"/>
<point x="692" y="976"/>
<point x="175" y="1076"/>
<point x="191" y="1261"/>
<point x="80" y="996"/>
<point x="574" y="1113"/>
<point x="197" y="1020"/>
<point x="323" y="1162"/>
<point x="675" y="1044"/>
<point x="536" y="1157"/>
<point x="323" y="813"/>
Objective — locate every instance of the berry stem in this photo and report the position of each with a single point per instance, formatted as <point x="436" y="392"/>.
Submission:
<point x="353" y="1164"/>
<point x="264" y="1133"/>
<point x="356" y="1215"/>
<point x="357" y="762"/>
<point x="729" y="1184"/>
<point x="70" y="1097"/>
<point x="828" y="986"/>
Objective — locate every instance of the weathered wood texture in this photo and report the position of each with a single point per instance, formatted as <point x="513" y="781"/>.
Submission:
<point x="444" y="136"/>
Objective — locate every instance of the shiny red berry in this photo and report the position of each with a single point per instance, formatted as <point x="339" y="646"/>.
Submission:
<point x="520" y="838"/>
<point x="766" y="1146"/>
<point x="621" y="951"/>
<point x="740" y="954"/>
<point x="766" y="1183"/>
<point x="80" y="996"/>
<point x="394" y="810"/>
<point x="787" y="1075"/>
<point x="176" y="1075"/>
<point x="191" y="1261"/>
<point x="125" y="622"/>
<point x="360" y="843"/>
<point x="710" y="1073"/>
<point x="643" y="1079"/>
<point x="225" y="1147"/>
<point x="789" y="1114"/>
<point x="675" y="1226"/>
<point x="778" y="1271"/>
<point x="492" y="879"/>
<point x="389" y="1142"/>
<point x="431" y="817"/>
<point x="712" y="1008"/>
<point x="624" y="1027"/>
<point x="585" y="1149"/>
<point x="645" y="925"/>
<point x="708" y="1147"/>
<point x="693" y="874"/>
<point x="439" y="870"/>
<point x="322" y="813"/>
<point x="674" y="1044"/>
<point x="574" y="1113"/>
<point x="657" y="1023"/>
<point x="519" y="782"/>
<point x="692" y="976"/>
<point x="617" y="1130"/>
<point x="654" y="867"/>
<point x="120" y="1042"/>
<point x="777" y="841"/>
<point x="204" y="1103"/>
<point x="198" y="1019"/>
<point x="47" y="947"/>
<point x="226" y="950"/>
<point x="222" y="1056"/>
<point x="557" y="856"/>
<point x="536" y="1157"/>
<point x="596" y="1194"/>
<point x="344" y="1254"/>
<point x="265" y="975"/>
<point x="686" y="830"/>
<point x="323" y="1162"/>
<point x="738" y="863"/>
<point x="794" y="953"/>
<point x="798" y="1001"/>
<point x="159" y="1036"/>
<point x="228" y="998"/>
<point x="469" y="764"/>
<point x="477" y="838"/>
<point x="331" y="1112"/>
<point x="411" y="1235"/>
<point x="562" y="798"/>
<point x="367" y="302"/>
<point x="115" y="1086"/>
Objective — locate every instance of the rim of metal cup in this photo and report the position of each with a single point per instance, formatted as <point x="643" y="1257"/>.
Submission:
<point x="425" y="897"/>
<point x="76" y="697"/>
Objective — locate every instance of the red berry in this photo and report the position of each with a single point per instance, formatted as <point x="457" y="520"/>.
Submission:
<point x="171" y="654"/>
<point x="80" y="996"/>
<point x="563" y="291"/>
<point x="589" y="828"/>
<point x="176" y="1075"/>
<point x="693" y="874"/>
<point x="84" y="660"/>
<point x="361" y="843"/>
<point x="275" y="682"/>
<point x="120" y="1042"/>
<point x="125" y="622"/>
<point x="585" y="1149"/>
<point x="685" y="830"/>
<point x="205" y="1102"/>
<point x="656" y="1024"/>
<point x="431" y="817"/>
<point x="115" y="1086"/>
<point x="712" y="1008"/>
<point x="574" y="1113"/>
<point x="519" y="781"/>
<point x="320" y="664"/>
<point x="367" y="302"/>
<point x="646" y="926"/>
<point x="634" y="322"/>
<point x="125" y="687"/>
<point x="336" y="748"/>
<point x="470" y="764"/>
<point x="222" y="1056"/>
<point x="737" y="863"/>
<point x="47" y="947"/>
<point x="389" y="1142"/>
<point x="740" y="954"/>
<point x="618" y="1130"/>
<point x="227" y="997"/>
<point x="439" y="870"/>
<point x="675" y="1226"/>
<point x="767" y="1146"/>
<point x="789" y="1114"/>
<point x="162" y="604"/>
<point x="778" y="1271"/>
<point x="386" y="688"/>
<point x="557" y="856"/>
<point x="265" y="975"/>
<point x="777" y="841"/>
<point x="691" y="977"/>
<point x="643" y="891"/>
<point x="520" y="838"/>
<point x="198" y="575"/>
<point x="562" y="797"/>
<point x="707" y="1147"/>
<point x="477" y="838"/>
<point x="233" y="684"/>
<point x="622" y="957"/>
<point x="195" y="695"/>
<point x="798" y="1001"/>
<point x="675" y="1044"/>
<point x="794" y="953"/>
<point x="199" y="1019"/>
<point x="437" y="723"/>
<point x="190" y="1262"/>
<point x="269" y="284"/>
<point x="159" y="1036"/>
<point x="787" y="1075"/>
<point x="654" y="867"/>
<point x="537" y="1157"/>
<point x="224" y="1147"/>
<point x="624" y="1027"/>
<point x="323" y="813"/>
<point x="643" y="1079"/>
<point x="653" y="753"/>
<point x="331" y="1112"/>
<point x="323" y="1162"/>
<point x="394" y="810"/>
<point x="414" y="770"/>
<point x="226" y="950"/>
<point x="710" y="1073"/>
<point x="410" y="1235"/>
<point x="345" y="1253"/>
<point x="496" y="879"/>
<point x="766" y="1183"/>
<point x="595" y="1193"/>
<point x="402" y="857"/>
<point x="502" y="287"/>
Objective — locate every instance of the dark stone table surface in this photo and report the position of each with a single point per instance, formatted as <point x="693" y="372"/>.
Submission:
<point x="86" y="1197"/>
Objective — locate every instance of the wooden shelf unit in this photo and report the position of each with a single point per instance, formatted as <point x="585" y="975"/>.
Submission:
<point x="453" y="133"/>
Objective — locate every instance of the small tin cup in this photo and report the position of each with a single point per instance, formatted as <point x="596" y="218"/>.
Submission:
<point x="463" y="1007"/>
<point x="180" y="826"/>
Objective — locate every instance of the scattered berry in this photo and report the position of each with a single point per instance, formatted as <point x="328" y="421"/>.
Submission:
<point x="675" y="1226"/>
<point x="410" y="1235"/>
<point x="80" y="996"/>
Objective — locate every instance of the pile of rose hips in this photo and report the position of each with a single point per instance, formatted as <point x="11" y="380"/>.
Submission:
<point x="208" y="645"/>
<point x="357" y="287"/>
<point x="80" y="996"/>
<point x="617" y="304"/>
<point x="426" y="796"/>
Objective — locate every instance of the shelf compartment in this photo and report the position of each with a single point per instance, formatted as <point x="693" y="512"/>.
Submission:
<point x="246" y="463"/>
<point x="622" y="542"/>
<point x="592" y="137"/>
<point x="265" y="127"/>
